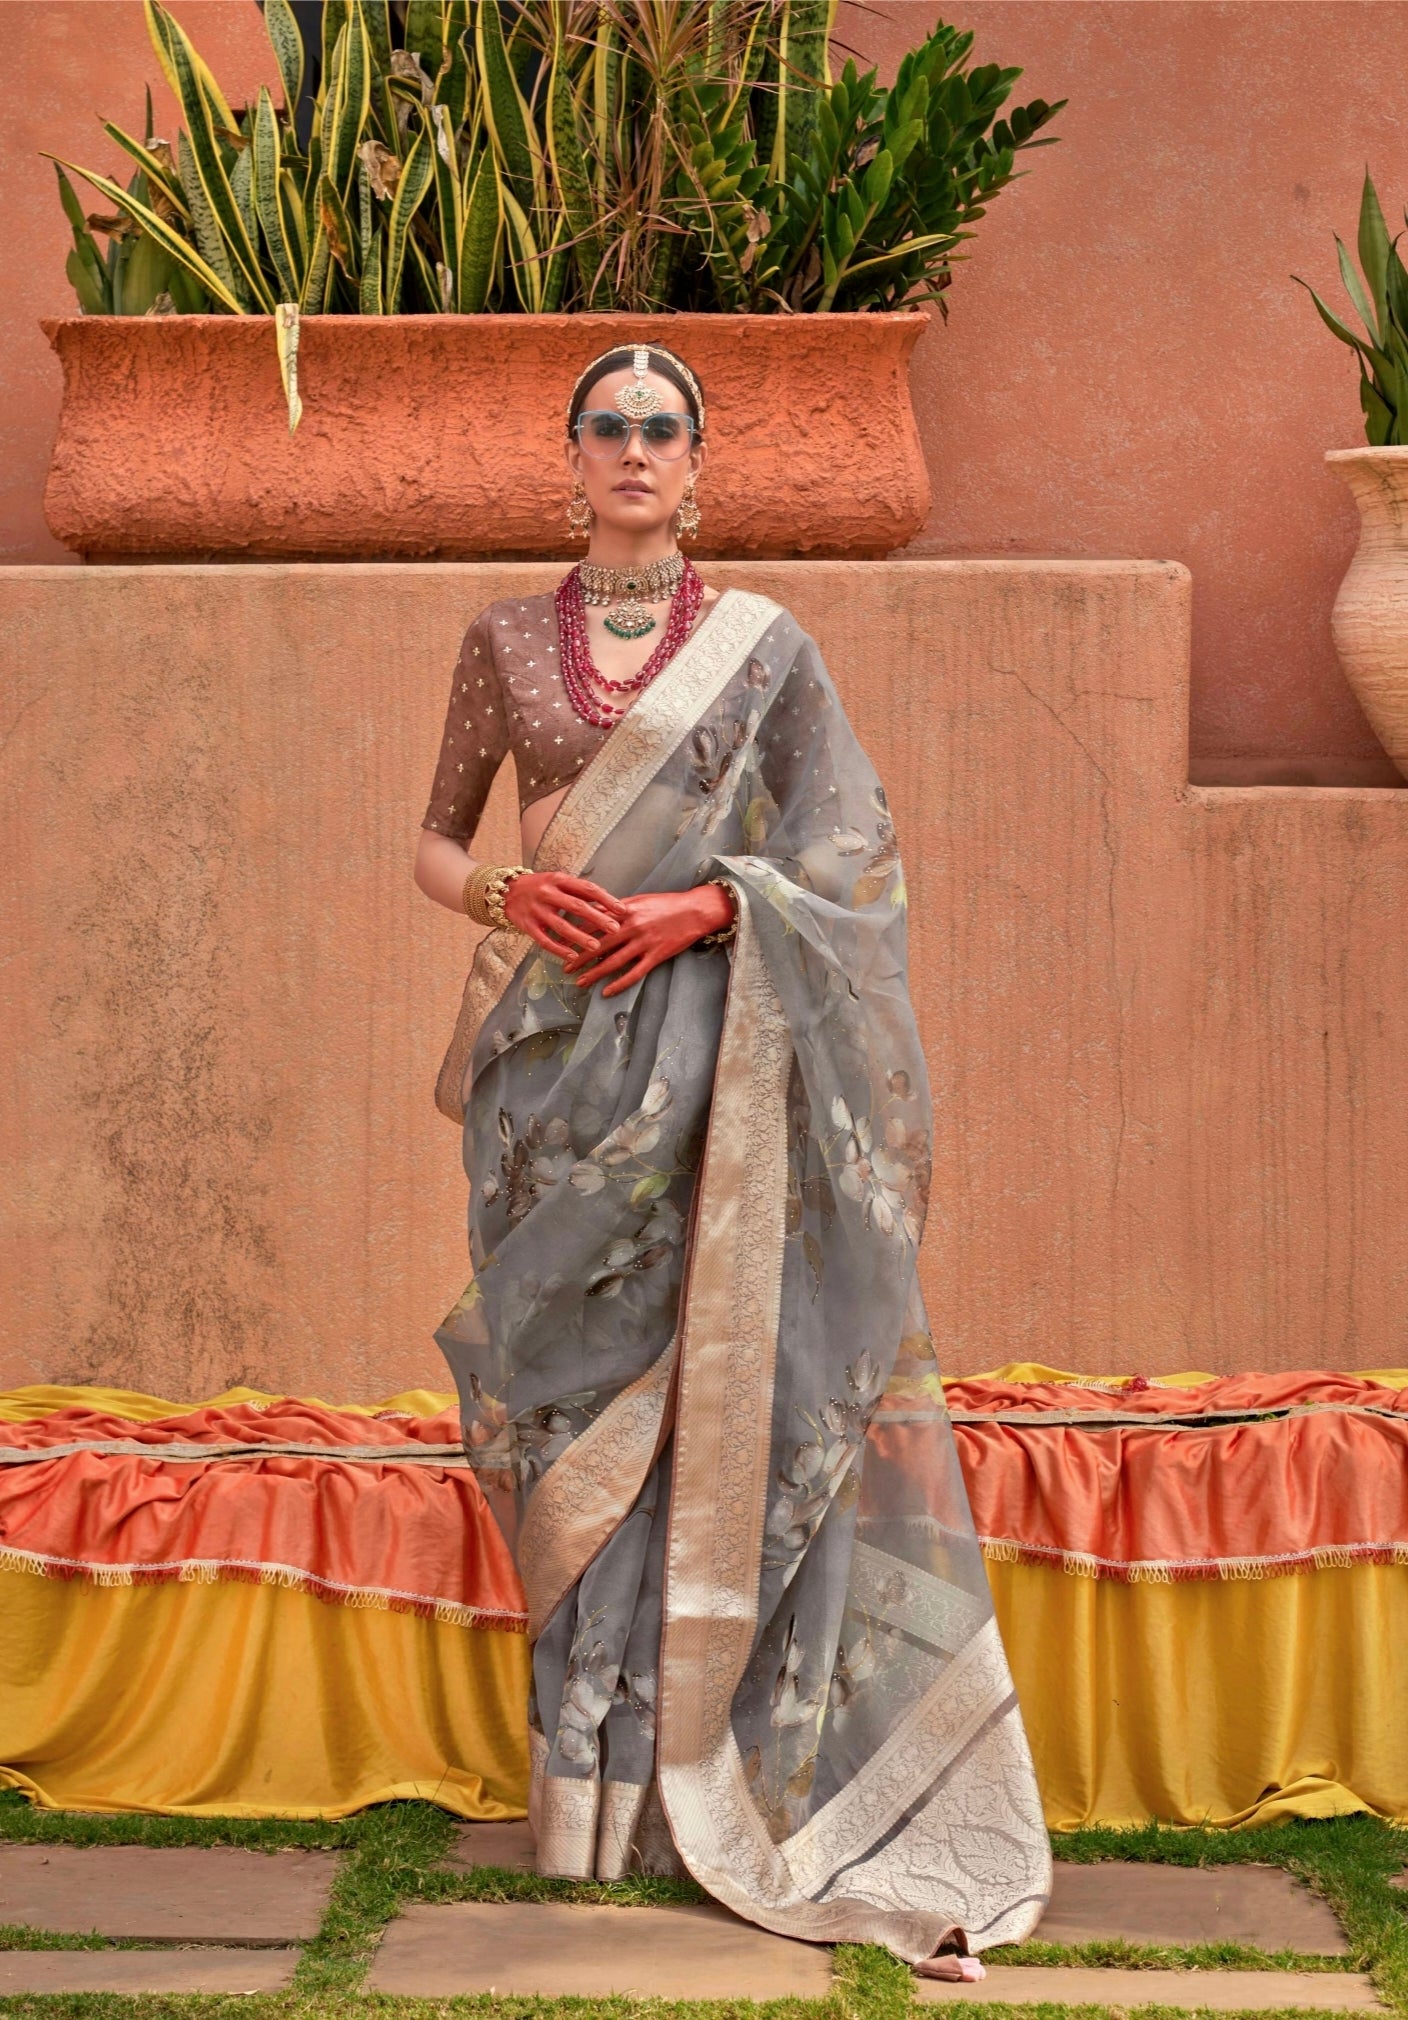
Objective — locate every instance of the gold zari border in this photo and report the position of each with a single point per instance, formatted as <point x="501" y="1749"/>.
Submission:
<point x="722" y="1429"/>
<point x="585" y="1493"/>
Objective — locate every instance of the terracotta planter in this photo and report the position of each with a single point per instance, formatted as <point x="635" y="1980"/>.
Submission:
<point x="1369" y="621"/>
<point x="442" y="436"/>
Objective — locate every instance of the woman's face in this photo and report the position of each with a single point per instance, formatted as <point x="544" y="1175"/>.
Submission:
<point x="633" y="492"/>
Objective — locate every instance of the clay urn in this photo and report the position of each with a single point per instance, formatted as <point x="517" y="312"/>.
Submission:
<point x="1369" y="620"/>
<point x="441" y="437"/>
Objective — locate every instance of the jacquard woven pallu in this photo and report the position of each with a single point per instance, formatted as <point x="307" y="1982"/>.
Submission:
<point x="764" y="1642"/>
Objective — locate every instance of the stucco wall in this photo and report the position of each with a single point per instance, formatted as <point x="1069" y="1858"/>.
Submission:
<point x="1128" y="369"/>
<point x="1166" y="1025"/>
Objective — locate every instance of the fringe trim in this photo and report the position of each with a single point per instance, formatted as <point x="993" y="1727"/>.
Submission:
<point x="1171" y="1571"/>
<point x="217" y="1570"/>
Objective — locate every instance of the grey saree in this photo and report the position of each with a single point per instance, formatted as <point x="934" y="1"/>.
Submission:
<point x="695" y="1349"/>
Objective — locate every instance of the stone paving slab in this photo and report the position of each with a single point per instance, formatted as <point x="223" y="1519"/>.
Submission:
<point x="158" y="1893"/>
<point x="549" y="1949"/>
<point x="1143" y="1903"/>
<point x="510" y="1845"/>
<point x="1216" y="1991"/>
<point x="208" y="1970"/>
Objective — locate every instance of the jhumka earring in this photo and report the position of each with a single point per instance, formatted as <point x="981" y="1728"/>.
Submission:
<point x="580" y="515"/>
<point x="687" y="512"/>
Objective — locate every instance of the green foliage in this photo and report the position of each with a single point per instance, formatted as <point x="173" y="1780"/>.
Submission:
<point x="1381" y="301"/>
<point x="568" y="154"/>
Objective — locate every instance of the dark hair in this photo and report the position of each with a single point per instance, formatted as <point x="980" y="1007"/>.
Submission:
<point x="661" y="361"/>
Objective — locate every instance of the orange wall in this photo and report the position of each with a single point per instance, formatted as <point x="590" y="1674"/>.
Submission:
<point x="1128" y="369"/>
<point x="1166" y="1025"/>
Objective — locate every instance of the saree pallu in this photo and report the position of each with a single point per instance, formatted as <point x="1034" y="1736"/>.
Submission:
<point x="764" y="1642"/>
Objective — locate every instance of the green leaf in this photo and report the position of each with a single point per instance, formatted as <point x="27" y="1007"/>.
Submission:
<point x="208" y="235"/>
<point x="145" y="268"/>
<point x="558" y="261"/>
<point x="165" y="35"/>
<point x="875" y="185"/>
<point x="416" y="175"/>
<point x="1342" y="330"/>
<point x="89" y="281"/>
<point x="505" y="109"/>
<point x="334" y="24"/>
<point x="242" y="189"/>
<point x="449" y="197"/>
<point x="455" y="83"/>
<point x="376" y="16"/>
<point x="208" y="166"/>
<point x="650" y="1187"/>
<point x="479" y="242"/>
<point x="317" y="273"/>
<point x="155" y="170"/>
<point x="524" y="264"/>
<point x="353" y="99"/>
<point x="281" y="26"/>
<point x="159" y="229"/>
<point x="425" y="32"/>
<point x="1373" y="250"/>
<point x="369" y="300"/>
<point x="567" y="154"/>
<point x="267" y="167"/>
<point x="1356" y="292"/>
<point x="73" y="209"/>
<point x="295" y="222"/>
<point x="342" y="242"/>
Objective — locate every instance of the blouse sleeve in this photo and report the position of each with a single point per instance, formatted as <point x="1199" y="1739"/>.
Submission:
<point x="475" y="741"/>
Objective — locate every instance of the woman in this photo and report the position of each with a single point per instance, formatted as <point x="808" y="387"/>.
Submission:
<point x="697" y="1131"/>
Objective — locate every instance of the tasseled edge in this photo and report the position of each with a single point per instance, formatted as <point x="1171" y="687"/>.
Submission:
<point x="1082" y="1564"/>
<point x="215" y="1571"/>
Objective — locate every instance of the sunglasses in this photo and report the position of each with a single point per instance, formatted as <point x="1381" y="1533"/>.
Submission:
<point x="601" y="432"/>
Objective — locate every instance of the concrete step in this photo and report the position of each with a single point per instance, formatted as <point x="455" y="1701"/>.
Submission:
<point x="506" y="1845"/>
<point x="200" y="1894"/>
<point x="203" y="1970"/>
<point x="1145" y="1903"/>
<point x="547" y="1949"/>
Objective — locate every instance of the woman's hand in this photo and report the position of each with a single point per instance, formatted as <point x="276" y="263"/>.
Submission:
<point x="654" y="926"/>
<point x="567" y="916"/>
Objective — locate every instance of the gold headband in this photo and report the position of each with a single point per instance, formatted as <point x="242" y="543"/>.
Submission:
<point x="638" y="398"/>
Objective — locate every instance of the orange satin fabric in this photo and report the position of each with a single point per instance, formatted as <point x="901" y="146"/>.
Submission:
<point x="1326" y="1482"/>
<point x="414" y="1537"/>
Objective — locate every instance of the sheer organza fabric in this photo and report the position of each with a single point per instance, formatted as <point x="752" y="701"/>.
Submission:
<point x="695" y="1351"/>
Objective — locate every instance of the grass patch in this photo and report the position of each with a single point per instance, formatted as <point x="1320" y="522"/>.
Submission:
<point x="1165" y="1956"/>
<point x="393" y="1854"/>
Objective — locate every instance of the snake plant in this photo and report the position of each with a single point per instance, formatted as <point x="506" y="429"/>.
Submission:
<point x="1381" y="301"/>
<point x="466" y="155"/>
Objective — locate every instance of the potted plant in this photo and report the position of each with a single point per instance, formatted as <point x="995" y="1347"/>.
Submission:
<point x="471" y="202"/>
<point x="1369" y="619"/>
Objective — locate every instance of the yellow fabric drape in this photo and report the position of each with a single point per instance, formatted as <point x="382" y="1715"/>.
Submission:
<point x="1227" y="1702"/>
<point x="1220" y="1702"/>
<point x="251" y="1700"/>
<point x="43" y="1399"/>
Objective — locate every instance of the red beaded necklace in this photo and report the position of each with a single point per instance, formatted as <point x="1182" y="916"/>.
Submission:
<point x="580" y="675"/>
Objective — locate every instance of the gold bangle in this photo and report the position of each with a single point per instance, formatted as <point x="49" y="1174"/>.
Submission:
<point x="725" y="932"/>
<point x="485" y="889"/>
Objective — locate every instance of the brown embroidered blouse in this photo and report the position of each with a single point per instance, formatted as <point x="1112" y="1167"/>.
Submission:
<point x="506" y="695"/>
